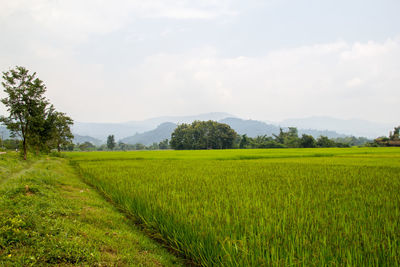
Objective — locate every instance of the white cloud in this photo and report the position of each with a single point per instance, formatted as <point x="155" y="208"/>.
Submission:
<point x="101" y="16"/>
<point x="337" y="79"/>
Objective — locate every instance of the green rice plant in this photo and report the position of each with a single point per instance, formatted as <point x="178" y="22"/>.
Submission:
<point x="260" y="207"/>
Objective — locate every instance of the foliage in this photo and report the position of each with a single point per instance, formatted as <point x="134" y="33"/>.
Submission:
<point x="244" y="141"/>
<point x="290" y="139"/>
<point x="307" y="141"/>
<point x="164" y="144"/>
<point x="203" y="135"/>
<point x="307" y="207"/>
<point x="324" y="141"/>
<point x="61" y="133"/>
<point x="11" y="144"/>
<point x="263" y="142"/>
<point x="352" y="141"/>
<point x="396" y="134"/>
<point x="31" y="117"/>
<point x="25" y="103"/>
<point x="392" y="140"/>
<point x="111" y="142"/>
<point x="87" y="146"/>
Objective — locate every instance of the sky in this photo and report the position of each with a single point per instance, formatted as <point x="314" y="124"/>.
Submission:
<point x="124" y="60"/>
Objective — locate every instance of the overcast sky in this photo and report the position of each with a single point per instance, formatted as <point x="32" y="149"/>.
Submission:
<point x="113" y="61"/>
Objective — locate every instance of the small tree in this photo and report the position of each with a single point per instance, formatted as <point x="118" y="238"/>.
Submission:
<point x="163" y="144"/>
<point x="61" y="134"/>
<point x="307" y="141"/>
<point x="396" y="134"/>
<point x="324" y="141"/>
<point x="110" y="142"/>
<point x="25" y="103"/>
<point x="87" y="146"/>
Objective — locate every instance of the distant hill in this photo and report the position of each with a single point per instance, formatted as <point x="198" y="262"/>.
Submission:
<point x="315" y="126"/>
<point x="253" y="128"/>
<point x="162" y="132"/>
<point x="79" y="139"/>
<point x="354" y="127"/>
<point x="122" y="130"/>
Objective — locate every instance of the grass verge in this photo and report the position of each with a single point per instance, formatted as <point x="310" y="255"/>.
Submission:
<point x="49" y="217"/>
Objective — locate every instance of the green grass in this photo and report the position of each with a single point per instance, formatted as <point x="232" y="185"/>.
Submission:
<point x="276" y="207"/>
<point x="49" y="217"/>
<point x="11" y="163"/>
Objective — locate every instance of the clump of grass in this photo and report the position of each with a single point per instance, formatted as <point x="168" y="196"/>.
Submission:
<point x="322" y="207"/>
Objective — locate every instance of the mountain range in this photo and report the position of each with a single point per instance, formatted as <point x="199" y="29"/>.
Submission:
<point x="251" y="128"/>
<point x="126" y="129"/>
<point x="160" y="128"/>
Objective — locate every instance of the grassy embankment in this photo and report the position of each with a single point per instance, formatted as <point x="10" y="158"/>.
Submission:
<point x="48" y="216"/>
<point x="284" y="207"/>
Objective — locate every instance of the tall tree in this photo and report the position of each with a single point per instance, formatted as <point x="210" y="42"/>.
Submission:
<point x="25" y="103"/>
<point x="244" y="141"/>
<point x="110" y="142"/>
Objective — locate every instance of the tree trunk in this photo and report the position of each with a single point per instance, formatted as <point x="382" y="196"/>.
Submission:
<point x="58" y="148"/>
<point x="24" y="147"/>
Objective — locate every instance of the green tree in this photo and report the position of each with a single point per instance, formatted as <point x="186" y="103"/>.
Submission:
<point x="163" y="144"/>
<point x="110" y="142"/>
<point x="264" y="141"/>
<point x="61" y="135"/>
<point x="280" y="138"/>
<point x="289" y="138"/>
<point x="87" y="146"/>
<point x="307" y="141"/>
<point x="244" y="141"/>
<point x="324" y="141"/>
<point x="179" y="136"/>
<point x="203" y="135"/>
<point x="139" y="146"/>
<point x="25" y="103"/>
<point x="122" y="146"/>
<point x="396" y="134"/>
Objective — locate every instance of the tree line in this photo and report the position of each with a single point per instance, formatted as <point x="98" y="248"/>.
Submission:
<point x="111" y="145"/>
<point x="392" y="140"/>
<point x="291" y="139"/>
<point x="215" y="135"/>
<point x="32" y="118"/>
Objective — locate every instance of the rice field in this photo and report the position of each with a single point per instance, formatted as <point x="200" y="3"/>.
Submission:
<point x="266" y="207"/>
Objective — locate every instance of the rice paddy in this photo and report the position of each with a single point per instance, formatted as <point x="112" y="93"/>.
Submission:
<point x="274" y="207"/>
